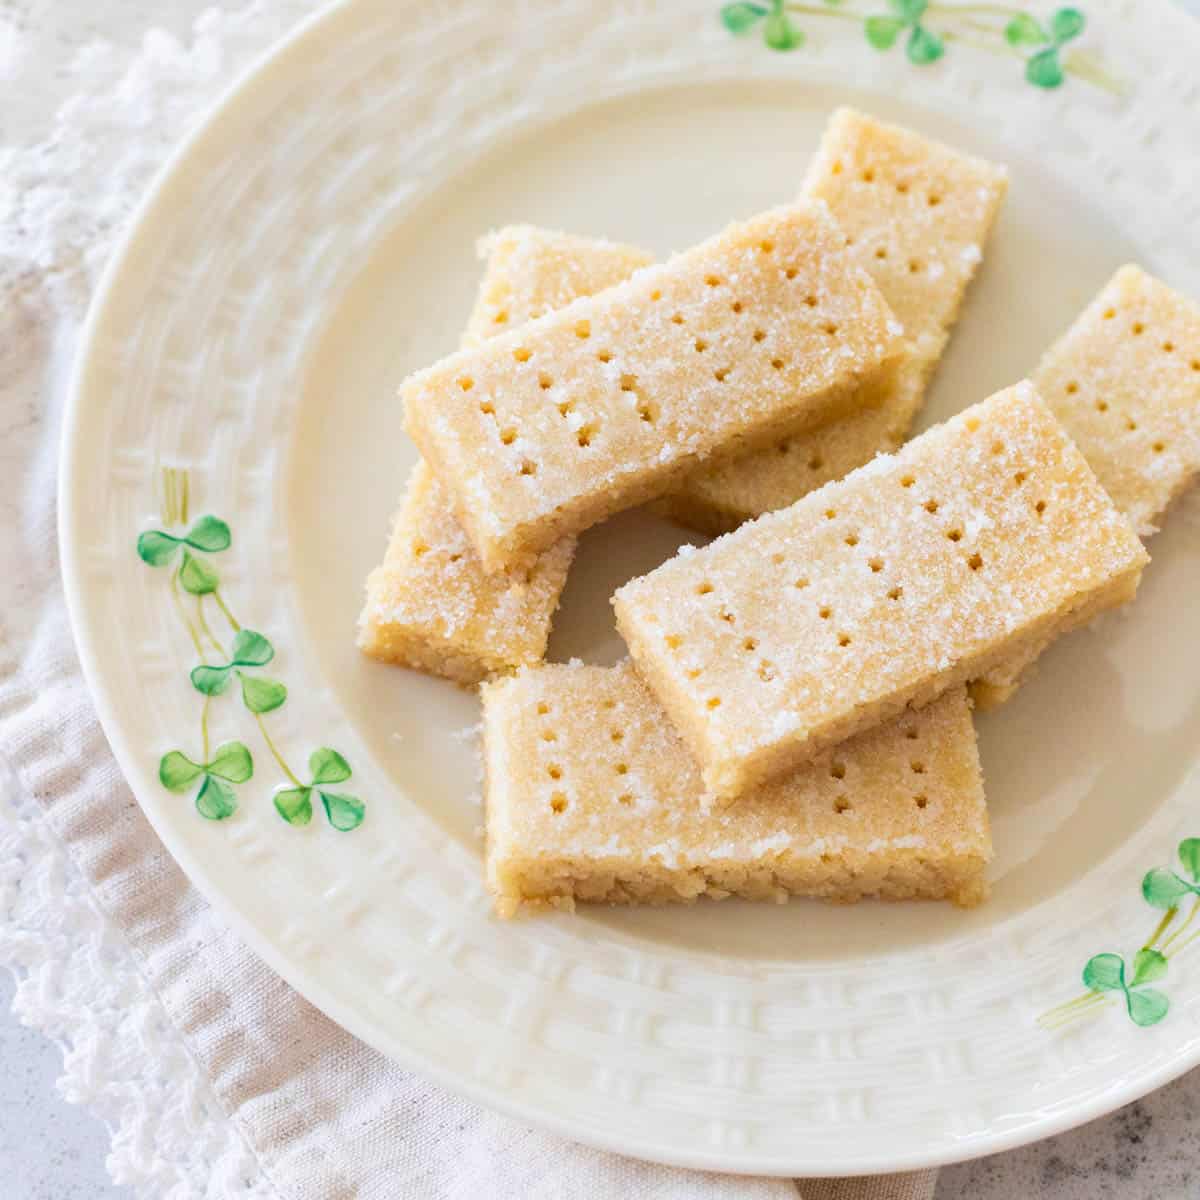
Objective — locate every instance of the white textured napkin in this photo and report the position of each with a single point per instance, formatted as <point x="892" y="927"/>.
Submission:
<point x="218" y="1079"/>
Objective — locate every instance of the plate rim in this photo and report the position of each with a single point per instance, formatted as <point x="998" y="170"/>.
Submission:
<point x="307" y="982"/>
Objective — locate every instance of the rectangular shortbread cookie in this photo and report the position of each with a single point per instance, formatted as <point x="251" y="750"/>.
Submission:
<point x="916" y="573"/>
<point x="431" y="605"/>
<point x="543" y="431"/>
<point x="917" y="214"/>
<point x="1124" y="381"/>
<point x="592" y="796"/>
<point x="530" y="272"/>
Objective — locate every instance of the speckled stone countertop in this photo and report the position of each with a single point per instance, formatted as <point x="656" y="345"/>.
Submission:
<point x="51" y="1150"/>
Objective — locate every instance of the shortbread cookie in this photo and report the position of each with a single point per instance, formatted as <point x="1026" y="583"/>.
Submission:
<point x="591" y="795"/>
<point x="430" y="605"/>
<point x="917" y="214"/>
<point x="1124" y="381"/>
<point x="914" y="574"/>
<point x="531" y="272"/>
<point x="544" y="431"/>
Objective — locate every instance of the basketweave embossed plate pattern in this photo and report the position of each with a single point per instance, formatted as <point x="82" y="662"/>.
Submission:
<point x="234" y="451"/>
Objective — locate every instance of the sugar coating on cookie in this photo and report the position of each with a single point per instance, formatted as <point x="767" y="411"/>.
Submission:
<point x="592" y="796"/>
<point x="600" y="405"/>
<point x="531" y="272"/>
<point x="1124" y="381"/>
<point x="430" y="605"/>
<point x="917" y="214"/>
<point x="914" y="574"/>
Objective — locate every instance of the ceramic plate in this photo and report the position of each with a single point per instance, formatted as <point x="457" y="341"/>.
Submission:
<point x="235" y="410"/>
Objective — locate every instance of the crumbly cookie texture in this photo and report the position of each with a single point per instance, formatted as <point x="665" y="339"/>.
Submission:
<point x="541" y="432"/>
<point x="592" y="796"/>
<point x="980" y="539"/>
<point x="917" y="215"/>
<point x="531" y="272"/>
<point x="430" y="605"/>
<point x="1124" y="381"/>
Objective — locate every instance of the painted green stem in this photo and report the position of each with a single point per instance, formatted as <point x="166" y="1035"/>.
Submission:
<point x="1083" y="65"/>
<point x="1072" y="1010"/>
<point x="275" y="751"/>
<point x="204" y="727"/>
<point x="183" y="614"/>
<point x="1160" y="928"/>
<point x="812" y="10"/>
<point x="1186" y="922"/>
<point x="965" y="39"/>
<point x="1186" y="943"/>
<point x="204" y="628"/>
<point x="979" y="10"/>
<point x="233" y="621"/>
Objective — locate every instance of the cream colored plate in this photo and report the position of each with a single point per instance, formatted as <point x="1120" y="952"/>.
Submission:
<point x="313" y="243"/>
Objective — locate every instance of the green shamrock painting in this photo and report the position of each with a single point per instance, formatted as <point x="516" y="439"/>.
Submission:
<point x="185" y="555"/>
<point x="778" y="32"/>
<point x="215" y="799"/>
<point x="928" y="30"/>
<point x="325" y="767"/>
<point x="250" y="650"/>
<point x="1044" y="67"/>
<point x="1105" y="975"/>
<point x="1145" y="1005"/>
<point x="921" y="46"/>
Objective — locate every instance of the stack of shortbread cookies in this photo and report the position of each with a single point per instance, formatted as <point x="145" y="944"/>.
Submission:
<point x="795" y="716"/>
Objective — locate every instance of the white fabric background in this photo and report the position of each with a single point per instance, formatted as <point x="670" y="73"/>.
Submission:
<point x="215" y="1078"/>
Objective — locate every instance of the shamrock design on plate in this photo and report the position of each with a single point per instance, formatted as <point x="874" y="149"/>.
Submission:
<point x="1164" y="888"/>
<point x="215" y="800"/>
<point x="209" y="535"/>
<point x="1105" y="974"/>
<point x="922" y="46"/>
<point x="929" y="28"/>
<point x="192" y="575"/>
<point x="325" y="766"/>
<point x="1044" y="68"/>
<point x="778" y="31"/>
<point x="250" y="650"/>
<point x="1145" y="1005"/>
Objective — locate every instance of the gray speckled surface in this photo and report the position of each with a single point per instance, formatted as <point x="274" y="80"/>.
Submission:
<point x="50" y="1150"/>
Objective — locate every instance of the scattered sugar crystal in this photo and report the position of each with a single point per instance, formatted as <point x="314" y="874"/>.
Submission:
<point x="892" y="608"/>
<point x="892" y="215"/>
<point x="550" y="489"/>
<point x="856" y="822"/>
